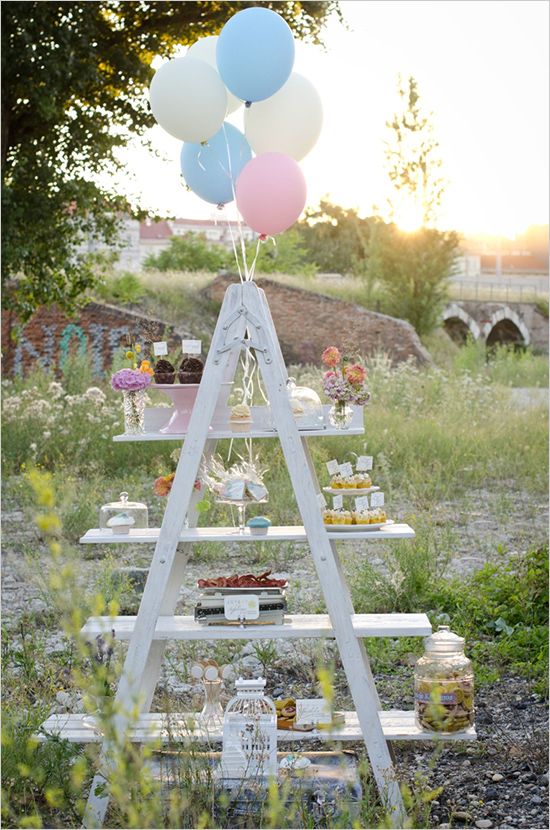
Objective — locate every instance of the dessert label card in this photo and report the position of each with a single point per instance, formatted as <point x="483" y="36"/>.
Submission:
<point x="332" y="467"/>
<point x="191" y="346"/>
<point x="241" y="607"/>
<point x="377" y="499"/>
<point x="364" y="463"/>
<point x="313" y="710"/>
<point x="321" y="500"/>
<point x="160" y="348"/>
<point x="362" y="503"/>
<point x="346" y="469"/>
<point x="338" y="502"/>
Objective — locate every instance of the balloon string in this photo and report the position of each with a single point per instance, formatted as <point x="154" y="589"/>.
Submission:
<point x="241" y="236"/>
<point x="253" y="266"/>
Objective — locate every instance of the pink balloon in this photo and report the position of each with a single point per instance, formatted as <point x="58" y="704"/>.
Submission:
<point x="271" y="193"/>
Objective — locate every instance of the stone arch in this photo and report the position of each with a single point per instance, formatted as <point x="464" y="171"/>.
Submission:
<point x="459" y="324"/>
<point x="506" y="326"/>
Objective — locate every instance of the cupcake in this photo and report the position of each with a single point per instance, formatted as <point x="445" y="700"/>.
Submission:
<point x="327" y="517"/>
<point x="164" y="371"/>
<point x="121" y="523"/>
<point x="191" y="370"/>
<point x="258" y="525"/>
<point x="362" y="480"/>
<point x="240" y="418"/>
<point x="337" y="482"/>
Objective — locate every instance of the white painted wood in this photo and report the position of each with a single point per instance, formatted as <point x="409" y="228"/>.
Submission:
<point x="395" y="724"/>
<point x="297" y="533"/>
<point x="295" y="625"/>
<point x="358" y="673"/>
<point x="157" y="417"/>
<point x="132" y="688"/>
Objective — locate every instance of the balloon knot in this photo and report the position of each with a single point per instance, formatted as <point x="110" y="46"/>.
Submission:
<point x="220" y="206"/>
<point x="248" y="104"/>
<point x="204" y="143"/>
<point x="263" y="237"/>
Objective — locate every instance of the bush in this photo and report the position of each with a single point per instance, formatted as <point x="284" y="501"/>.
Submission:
<point x="190" y="252"/>
<point x="121" y="288"/>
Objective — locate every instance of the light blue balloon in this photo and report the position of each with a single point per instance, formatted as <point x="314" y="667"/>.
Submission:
<point x="255" y="54"/>
<point x="208" y="169"/>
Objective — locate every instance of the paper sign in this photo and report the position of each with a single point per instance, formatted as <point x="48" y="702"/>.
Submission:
<point x="321" y="500"/>
<point x="241" y="607"/>
<point x="364" y="462"/>
<point x="377" y="499"/>
<point x="346" y="469"/>
<point x="338" y="502"/>
<point x="362" y="503"/>
<point x="332" y="467"/>
<point x="160" y="348"/>
<point x="313" y="710"/>
<point x="191" y="346"/>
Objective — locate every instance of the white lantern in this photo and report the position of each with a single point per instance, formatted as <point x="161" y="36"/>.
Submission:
<point x="249" y="732"/>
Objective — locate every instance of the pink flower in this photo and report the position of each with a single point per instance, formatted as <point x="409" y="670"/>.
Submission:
<point x="355" y="374"/>
<point x="130" y="380"/>
<point x="329" y="374"/>
<point x="331" y="356"/>
<point x="163" y="484"/>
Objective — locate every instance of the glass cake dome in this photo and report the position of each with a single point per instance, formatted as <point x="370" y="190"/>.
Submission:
<point x="306" y="405"/>
<point x="135" y="509"/>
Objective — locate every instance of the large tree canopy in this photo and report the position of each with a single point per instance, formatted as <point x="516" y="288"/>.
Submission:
<point x="74" y="77"/>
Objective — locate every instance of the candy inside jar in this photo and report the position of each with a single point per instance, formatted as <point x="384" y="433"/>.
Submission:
<point x="444" y="684"/>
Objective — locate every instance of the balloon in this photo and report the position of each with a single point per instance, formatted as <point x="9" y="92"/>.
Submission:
<point x="205" y="50"/>
<point x="206" y="169"/>
<point x="271" y="193"/>
<point x="188" y="99"/>
<point x="255" y="53"/>
<point x="289" y="122"/>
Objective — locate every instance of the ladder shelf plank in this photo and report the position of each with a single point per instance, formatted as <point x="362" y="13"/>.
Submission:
<point x="297" y="533"/>
<point x="396" y="725"/>
<point x="295" y="626"/>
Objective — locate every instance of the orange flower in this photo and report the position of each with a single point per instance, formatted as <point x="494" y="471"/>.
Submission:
<point x="355" y="374"/>
<point x="163" y="484"/>
<point x="145" y="367"/>
<point x="331" y="356"/>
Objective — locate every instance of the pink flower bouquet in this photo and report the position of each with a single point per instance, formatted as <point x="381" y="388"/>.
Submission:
<point x="130" y="380"/>
<point x="344" y="382"/>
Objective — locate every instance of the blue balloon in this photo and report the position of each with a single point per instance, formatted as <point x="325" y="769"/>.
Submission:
<point x="208" y="169"/>
<point x="255" y="54"/>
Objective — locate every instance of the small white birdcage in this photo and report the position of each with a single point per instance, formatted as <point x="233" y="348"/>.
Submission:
<point x="249" y="732"/>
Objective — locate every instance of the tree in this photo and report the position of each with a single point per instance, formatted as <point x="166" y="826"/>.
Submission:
<point x="336" y="238"/>
<point x="413" y="161"/>
<point x="190" y="252"/>
<point x="412" y="270"/>
<point x="413" y="267"/>
<point x="289" y="255"/>
<point x="74" y="77"/>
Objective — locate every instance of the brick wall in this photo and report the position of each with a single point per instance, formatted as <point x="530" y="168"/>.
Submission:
<point x="50" y="335"/>
<point x="307" y="323"/>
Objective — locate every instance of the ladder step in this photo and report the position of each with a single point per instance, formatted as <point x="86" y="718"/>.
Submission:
<point x="397" y="726"/>
<point x="297" y="533"/>
<point x="295" y="625"/>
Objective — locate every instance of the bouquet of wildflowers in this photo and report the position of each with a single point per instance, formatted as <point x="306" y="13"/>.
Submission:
<point x="137" y="377"/>
<point x="344" y="381"/>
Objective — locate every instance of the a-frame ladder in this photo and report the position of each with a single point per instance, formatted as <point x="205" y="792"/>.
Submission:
<point x="244" y="321"/>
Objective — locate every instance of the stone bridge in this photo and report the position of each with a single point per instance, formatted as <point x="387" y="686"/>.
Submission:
<point x="517" y="324"/>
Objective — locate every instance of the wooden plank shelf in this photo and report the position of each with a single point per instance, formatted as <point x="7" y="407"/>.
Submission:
<point x="295" y="626"/>
<point x="156" y="417"/>
<point x="153" y="726"/>
<point x="297" y="533"/>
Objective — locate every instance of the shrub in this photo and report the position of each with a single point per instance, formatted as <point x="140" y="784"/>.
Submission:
<point x="190" y="252"/>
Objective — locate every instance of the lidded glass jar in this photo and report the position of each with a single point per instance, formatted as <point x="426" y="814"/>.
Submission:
<point x="249" y="732"/>
<point x="444" y="684"/>
<point x="135" y="509"/>
<point x="306" y="405"/>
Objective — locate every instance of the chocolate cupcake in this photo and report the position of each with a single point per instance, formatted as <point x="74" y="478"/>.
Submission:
<point x="164" y="371"/>
<point x="191" y="370"/>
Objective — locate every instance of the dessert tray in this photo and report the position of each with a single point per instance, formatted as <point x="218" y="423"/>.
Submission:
<point x="350" y="491"/>
<point x="336" y="528"/>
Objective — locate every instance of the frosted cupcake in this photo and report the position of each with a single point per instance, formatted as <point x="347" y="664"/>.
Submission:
<point x="240" y="418"/>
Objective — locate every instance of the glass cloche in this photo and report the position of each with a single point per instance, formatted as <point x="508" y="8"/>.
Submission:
<point x="135" y="509"/>
<point x="306" y="405"/>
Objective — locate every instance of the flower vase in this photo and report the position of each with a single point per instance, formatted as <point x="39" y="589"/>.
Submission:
<point x="340" y="415"/>
<point x="211" y="717"/>
<point x="134" y="411"/>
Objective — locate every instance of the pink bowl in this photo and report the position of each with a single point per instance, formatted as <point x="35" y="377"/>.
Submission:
<point x="183" y="396"/>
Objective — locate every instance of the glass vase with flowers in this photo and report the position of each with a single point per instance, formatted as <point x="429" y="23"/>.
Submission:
<point x="345" y="383"/>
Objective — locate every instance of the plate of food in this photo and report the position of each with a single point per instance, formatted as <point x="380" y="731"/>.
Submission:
<point x="337" y="528"/>
<point x="350" y="491"/>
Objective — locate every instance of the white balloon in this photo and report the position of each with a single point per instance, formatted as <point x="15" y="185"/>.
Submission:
<point x="289" y="122"/>
<point x="188" y="99"/>
<point x="205" y="50"/>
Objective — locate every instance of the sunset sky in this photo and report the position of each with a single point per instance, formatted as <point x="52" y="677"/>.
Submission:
<point x="482" y="68"/>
